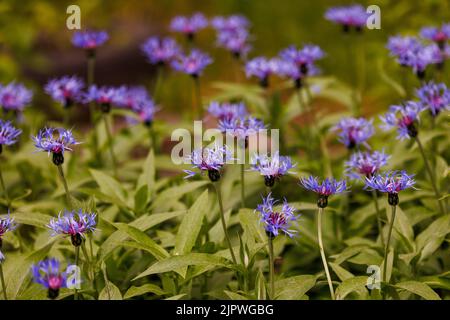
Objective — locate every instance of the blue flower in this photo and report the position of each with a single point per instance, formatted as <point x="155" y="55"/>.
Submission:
<point x="365" y="163"/>
<point x="354" y="131"/>
<point x="192" y="64"/>
<point x="262" y="68"/>
<point x="348" y="16"/>
<point x="328" y="187"/>
<point x="66" y="90"/>
<point x="89" y="40"/>
<point x="303" y="58"/>
<point x="231" y="23"/>
<point x="8" y="134"/>
<point x="47" y="273"/>
<point x="146" y="111"/>
<point x="15" y="96"/>
<point x="391" y="182"/>
<point x="104" y="96"/>
<point x="6" y="224"/>
<point x="160" y="50"/>
<point x="189" y="25"/>
<point x="435" y="97"/>
<point x="271" y="167"/>
<point x="438" y="35"/>
<point x="400" y="47"/>
<point x="227" y="111"/>
<point x="277" y="221"/>
<point x="404" y="118"/>
<point x="55" y="141"/>
<point x="74" y="223"/>
<point x="209" y="159"/>
<point x="241" y="128"/>
<point x="237" y="42"/>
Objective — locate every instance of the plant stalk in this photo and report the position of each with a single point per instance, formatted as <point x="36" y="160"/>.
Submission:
<point x="242" y="185"/>
<point x="77" y="254"/>
<point x="66" y="188"/>
<point x="322" y="252"/>
<point x="2" y="278"/>
<point x="5" y="190"/>
<point x="271" y="269"/>
<point x="110" y="145"/>
<point x="386" y="248"/>
<point x="379" y="221"/>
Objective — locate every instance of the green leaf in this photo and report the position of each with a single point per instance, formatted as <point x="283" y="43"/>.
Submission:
<point x="169" y="195"/>
<point x="147" y="177"/>
<point x="108" y="185"/>
<point x="341" y="272"/>
<point x="419" y="288"/>
<point x="31" y="218"/>
<point x="356" y="284"/>
<point x="146" y="288"/>
<point x="110" y="292"/>
<point x="141" y="199"/>
<point x="192" y="259"/>
<point x="140" y="237"/>
<point x="294" y="288"/>
<point x="234" y="295"/>
<point x="260" y="286"/>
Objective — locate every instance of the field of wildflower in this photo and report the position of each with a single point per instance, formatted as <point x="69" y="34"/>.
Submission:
<point x="307" y="172"/>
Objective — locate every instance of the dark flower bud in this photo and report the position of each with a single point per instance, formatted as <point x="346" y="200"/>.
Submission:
<point x="1" y="243"/>
<point x="53" y="293"/>
<point x="148" y="123"/>
<point x="214" y="175"/>
<point x="420" y="74"/>
<point x="322" y="202"/>
<point x="269" y="181"/>
<point x="90" y="53"/>
<point x="190" y="36"/>
<point x="1" y="148"/>
<point x="105" y="107"/>
<point x="58" y="158"/>
<point x="412" y="130"/>
<point x="270" y="235"/>
<point x="76" y="239"/>
<point x="264" y="82"/>
<point x="236" y="55"/>
<point x="68" y="103"/>
<point x="298" y="83"/>
<point x="345" y="28"/>
<point x="393" y="199"/>
<point x="304" y="68"/>
<point x="358" y="29"/>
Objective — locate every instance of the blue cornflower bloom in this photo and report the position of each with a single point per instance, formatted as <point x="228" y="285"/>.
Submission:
<point x="209" y="159"/>
<point x="89" y="40"/>
<point x="272" y="167"/>
<point x="400" y="46"/>
<point x="74" y="223"/>
<point x="48" y="274"/>
<point x="365" y="164"/>
<point x="15" y="97"/>
<point x="55" y="141"/>
<point x="435" y="97"/>
<point x="438" y="35"/>
<point x="104" y="96"/>
<point x="227" y="111"/>
<point x="6" y="224"/>
<point x="189" y="25"/>
<point x="277" y="221"/>
<point x="125" y="97"/>
<point x="241" y="128"/>
<point x="8" y="134"/>
<point x="160" y="50"/>
<point x="231" y="23"/>
<point x="328" y="187"/>
<point x="348" y="16"/>
<point x="237" y="42"/>
<point x="404" y="118"/>
<point x="303" y="58"/>
<point x="391" y="182"/>
<point x="146" y="111"/>
<point x="192" y="64"/>
<point x="354" y="131"/>
<point x="262" y="68"/>
<point x="289" y="69"/>
<point x="66" y="90"/>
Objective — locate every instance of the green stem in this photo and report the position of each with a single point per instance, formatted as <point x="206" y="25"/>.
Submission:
<point x="431" y="175"/>
<point x="271" y="269"/>
<point x="156" y="88"/>
<point x="197" y="107"/>
<point x="386" y="248"/>
<point x="2" y="278"/>
<point x="5" y="190"/>
<point x="222" y="218"/>
<point x="110" y="145"/>
<point x="90" y="82"/>
<point x="242" y="185"/>
<point x="379" y="223"/>
<point x="322" y="252"/>
<point x="77" y="254"/>
<point x="66" y="188"/>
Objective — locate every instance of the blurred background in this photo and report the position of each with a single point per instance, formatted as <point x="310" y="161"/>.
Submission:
<point x="35" y="43"/>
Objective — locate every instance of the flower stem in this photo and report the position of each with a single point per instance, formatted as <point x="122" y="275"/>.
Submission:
<point x="197" y="107"/>
<point x="222" y="218"/>
<point x="322" y="252"/>
<point x="110" y="145"/>
<point x="430" y="174"/>
<point x="156" y="88"/>
<point x="377" y="208"/>
<point x="271" y="269"/>
<point x="5" y="190"/>
<point x="77" y="254"/>
<point x="242" y="185"/>
<point x="386" y="248"/>
<point x="66" y="188"/>
<point x="2" y="278"/>
<point x="90" y="82"/>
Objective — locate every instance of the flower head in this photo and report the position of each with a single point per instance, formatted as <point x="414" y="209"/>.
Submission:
<point x="303" y="58"/>
<point x="104" y="96"/>
<point x="237" y="42"/>
<point x="435" y="97"/>
<point x="404" y="118"/>
<point x="189" y="25"/>
<point x="74" y="223"/>
<point x="262" y="68"/>
<point x="231" y="23"/>
<point x="65" y="90"/>
<point x="348" y="16"/>
<point x="55" y="141"/>
<point x="241" y="128"/>
<point x="48" y="274"/>
<point x="438" y="35"/>
<point x="6" y="224"/>
<point x="271" y="167"/>
<point x="365" y="164"/>
<point x="391" y="182"/>
<point x="89" y="40"/>
<point x="277" y="221"/>
<point x="354" y="131"/>
<point x="146" y="111"/>
<point x="8" y="134"/>
<point x="209" y="159"/>
<point x="192" y="64"/>
<point x="328" y="187"/>
<point x="227" y="111"/>
<point x="160" y="50"/>
<point x="289" y="69"/>
<point x="15" y="97"/>
<point x="400" y="47"/>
